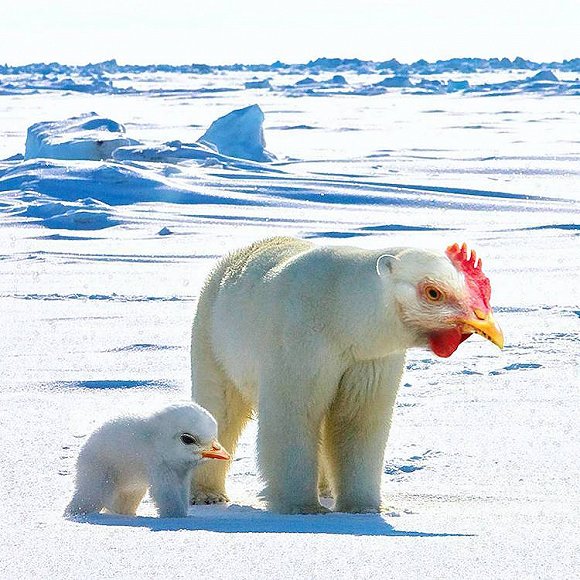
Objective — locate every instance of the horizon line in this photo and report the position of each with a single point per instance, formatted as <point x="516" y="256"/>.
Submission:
<point x="312" y="62"/>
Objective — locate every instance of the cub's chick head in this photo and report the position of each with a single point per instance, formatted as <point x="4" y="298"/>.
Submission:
<point x="185" y="434"/>
<point x="442" y="299"/>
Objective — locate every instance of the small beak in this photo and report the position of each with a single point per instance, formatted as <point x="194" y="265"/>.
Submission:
<point x="484" y="325"/>
<point x="216" y="452"/>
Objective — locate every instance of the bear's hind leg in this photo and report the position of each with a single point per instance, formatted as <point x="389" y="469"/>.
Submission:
<point x="93" y="487"/>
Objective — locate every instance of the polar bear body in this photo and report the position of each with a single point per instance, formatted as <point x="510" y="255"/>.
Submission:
<point x="304" y="335"/>
<point x="131" y="453"/>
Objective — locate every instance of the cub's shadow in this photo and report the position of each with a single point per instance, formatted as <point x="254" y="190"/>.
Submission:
<point x="245" y="519"/>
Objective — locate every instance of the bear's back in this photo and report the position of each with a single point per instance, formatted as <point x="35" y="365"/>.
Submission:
<point x="259" y="258"/>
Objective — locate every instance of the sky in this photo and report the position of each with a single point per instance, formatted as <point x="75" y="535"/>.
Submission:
<point x="263" y="31"/>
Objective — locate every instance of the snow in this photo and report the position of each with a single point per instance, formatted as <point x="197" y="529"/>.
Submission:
<point x="88" y="136"/>
<point x="239" y="134"/>
<point x="84" y="214"/>
<point x="322" y="76"/>
<point x="102" y="261"/>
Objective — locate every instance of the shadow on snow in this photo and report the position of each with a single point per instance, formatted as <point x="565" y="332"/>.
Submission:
<point x="113" y="384"/>
<point x="245" y="519"/>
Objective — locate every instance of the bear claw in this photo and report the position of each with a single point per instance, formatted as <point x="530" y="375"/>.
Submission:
<point x="208" y="498"/>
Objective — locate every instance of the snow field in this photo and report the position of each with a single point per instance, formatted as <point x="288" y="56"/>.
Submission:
<point x="481" y="471"/>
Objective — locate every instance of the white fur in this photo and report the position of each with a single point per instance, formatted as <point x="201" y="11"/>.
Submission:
<point x="129" y="454"/>
<point x="314" y="338"/>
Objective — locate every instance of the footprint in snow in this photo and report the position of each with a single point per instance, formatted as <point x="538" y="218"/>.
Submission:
<point x="414" y="463"/>
<point x="517" y="367"/>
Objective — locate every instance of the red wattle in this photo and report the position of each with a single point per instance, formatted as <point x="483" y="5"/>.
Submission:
<point x="445" y="342"/>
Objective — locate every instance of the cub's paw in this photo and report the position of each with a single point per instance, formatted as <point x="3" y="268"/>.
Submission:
<point x="206" y="497"/>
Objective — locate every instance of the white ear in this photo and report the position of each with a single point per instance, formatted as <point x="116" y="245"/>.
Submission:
<point x="384" y="264"/>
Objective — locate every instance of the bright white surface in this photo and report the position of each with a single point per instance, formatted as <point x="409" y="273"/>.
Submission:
<point x="481" y="478"/>
<point x="86" y="137"/>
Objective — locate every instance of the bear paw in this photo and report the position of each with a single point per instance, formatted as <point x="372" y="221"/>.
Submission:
<point x="325" y="491"/>
<point x="356" y="508"/>
<point x="304" y="509"/>
<point x="208" y="497"/>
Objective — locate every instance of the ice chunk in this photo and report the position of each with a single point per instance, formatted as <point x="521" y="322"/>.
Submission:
<point x="239" y="134"/>
<point x="434" y="85"/>
<point x="396" y="81"/>
<point x="337" y="80"/>
<point x="306" y="81"/>
<point x="454" y="86"/>
<point x="88" y="136"/>
<point x="544" y="75"/>
<point x="256" y="84"/>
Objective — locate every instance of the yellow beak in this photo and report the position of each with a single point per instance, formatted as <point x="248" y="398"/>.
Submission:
<point x="484" y="325"/>
<point x="216" y="452"/>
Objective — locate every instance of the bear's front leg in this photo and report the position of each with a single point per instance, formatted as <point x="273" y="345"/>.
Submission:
<point x="288" y="434"/>
<point x="169" y="489"/>
<point x="356" y="432"/>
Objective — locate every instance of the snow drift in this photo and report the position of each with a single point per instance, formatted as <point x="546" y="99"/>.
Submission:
<point x="177" y="152"/>
<point x="84" y="214"/>
<point x="239" y="135"/>
<point x="88" y="136"/>
<point x="108" y="182"/>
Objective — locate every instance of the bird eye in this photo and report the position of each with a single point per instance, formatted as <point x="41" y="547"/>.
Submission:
<point x="188" y="439"/>
<point x="433" y="294"/>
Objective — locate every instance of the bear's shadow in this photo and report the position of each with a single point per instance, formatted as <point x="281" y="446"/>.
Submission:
<point x="246" y="519"/>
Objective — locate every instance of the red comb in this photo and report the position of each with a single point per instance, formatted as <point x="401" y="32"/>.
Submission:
<point x="466" y="261"/>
